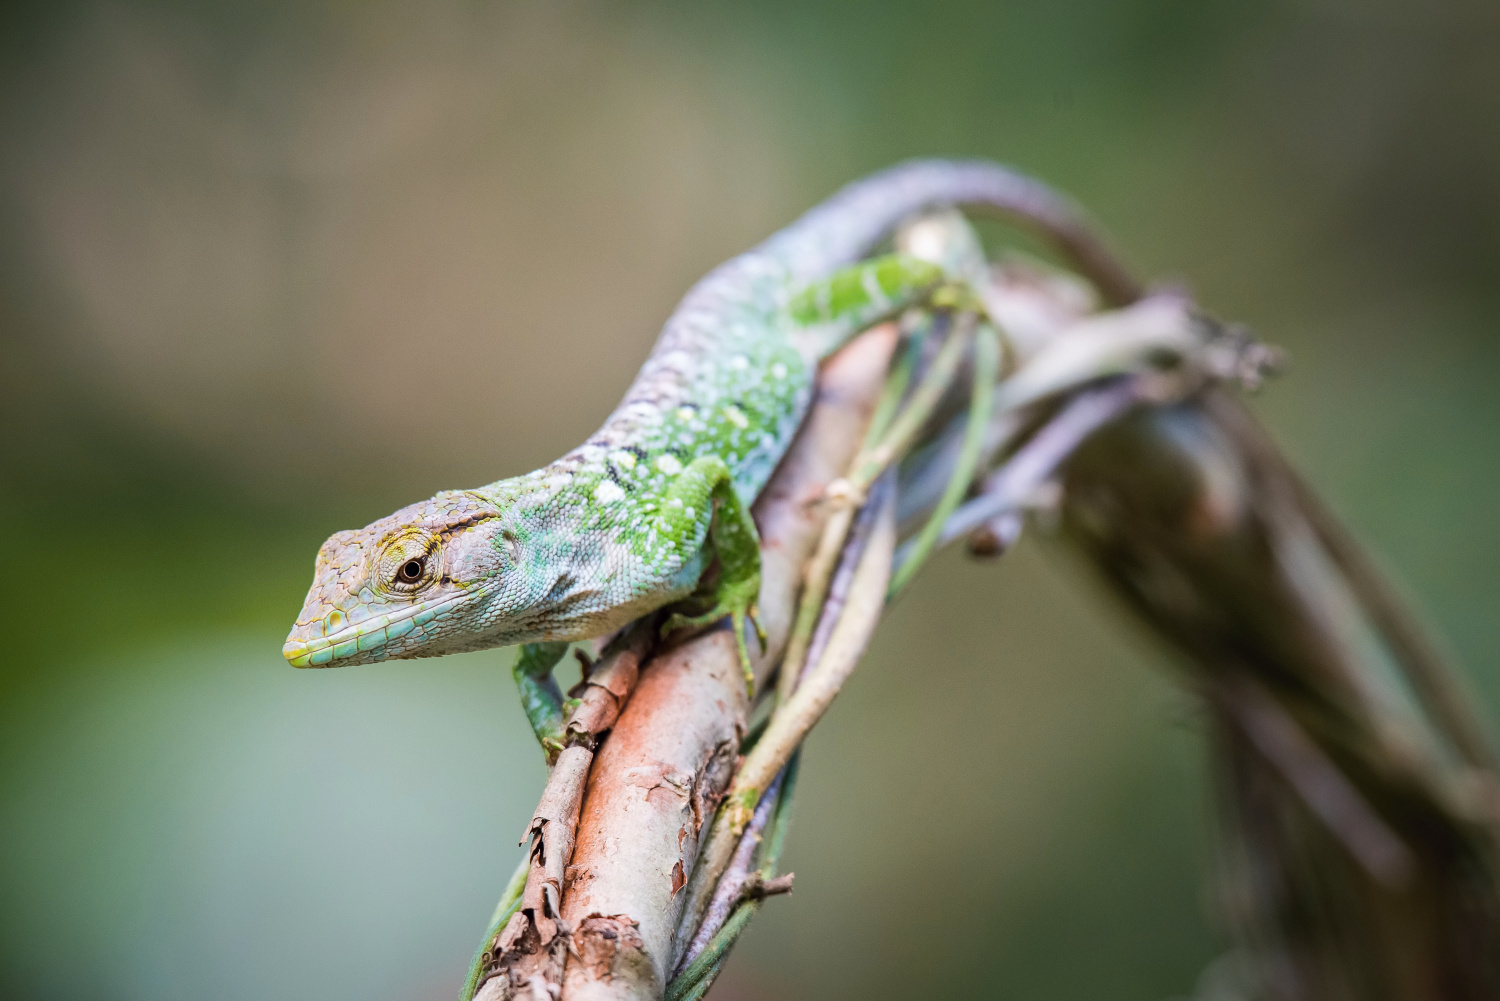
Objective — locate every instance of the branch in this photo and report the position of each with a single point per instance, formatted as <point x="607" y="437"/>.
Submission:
<point x="530" y="949"/>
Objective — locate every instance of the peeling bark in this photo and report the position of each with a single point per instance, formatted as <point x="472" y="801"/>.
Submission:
<point x="529" y="952"/>
<point x="533" y="945"/>
<point x="605" y="689"/>
<point x="652" y="786"/>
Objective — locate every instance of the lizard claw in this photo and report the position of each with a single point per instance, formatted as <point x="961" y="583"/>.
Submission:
<point x="753" y="614"/>
<point x="738" y="615"/>
<point x="677" y="621"/>
<point x="738" y="618"/>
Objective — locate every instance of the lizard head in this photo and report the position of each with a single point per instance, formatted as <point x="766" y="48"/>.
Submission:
<point x="423" y="581"/>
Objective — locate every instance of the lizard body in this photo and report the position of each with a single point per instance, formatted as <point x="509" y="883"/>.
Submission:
<point x="628" y="521"/>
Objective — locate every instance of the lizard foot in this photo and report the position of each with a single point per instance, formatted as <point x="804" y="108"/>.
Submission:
<point x="737" y="602"/>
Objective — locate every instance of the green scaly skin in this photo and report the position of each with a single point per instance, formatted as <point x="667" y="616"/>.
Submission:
<point x="629" y="521"/>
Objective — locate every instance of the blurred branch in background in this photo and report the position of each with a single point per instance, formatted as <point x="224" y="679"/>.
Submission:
<point x="1358" y="792"/>
<point x="1360" y="802"/>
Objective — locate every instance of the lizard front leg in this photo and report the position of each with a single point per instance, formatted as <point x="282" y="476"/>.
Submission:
<point x="704" y="491"/>
<point x="541" y="698"/>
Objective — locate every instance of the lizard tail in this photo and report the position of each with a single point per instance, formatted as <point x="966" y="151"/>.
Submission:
<point x="853" y="222"/>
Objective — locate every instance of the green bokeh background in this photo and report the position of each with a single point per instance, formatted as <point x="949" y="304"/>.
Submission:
<point x="268" y="271"/>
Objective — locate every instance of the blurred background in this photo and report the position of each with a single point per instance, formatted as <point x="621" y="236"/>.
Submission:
<point x="238" y="241"/>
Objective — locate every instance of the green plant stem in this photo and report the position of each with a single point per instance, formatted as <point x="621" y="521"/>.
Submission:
<point x="713" y="954"/>
<point x="981" y="402"/>
<point x="510" y="902"/>
<point x="695" y="980"/>
<point x="924" y="399"/>
<point x="701" y="988"/>
<point x="896" y="385"/>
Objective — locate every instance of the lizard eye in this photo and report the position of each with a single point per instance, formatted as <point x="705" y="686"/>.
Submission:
<point x="404" y="566"/>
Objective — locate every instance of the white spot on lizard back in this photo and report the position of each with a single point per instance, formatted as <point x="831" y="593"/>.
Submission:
<point x="607" y="492"/>
<point x="668" y="464"/>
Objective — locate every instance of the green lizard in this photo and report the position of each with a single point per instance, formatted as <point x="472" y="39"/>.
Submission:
<point x="630" y="521"/>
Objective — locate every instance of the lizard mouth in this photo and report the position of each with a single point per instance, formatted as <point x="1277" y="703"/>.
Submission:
<point x="366" y="636"/>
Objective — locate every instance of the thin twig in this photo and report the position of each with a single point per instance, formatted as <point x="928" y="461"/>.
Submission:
<point x="732" y="884"/>
<point x="603" y="693"/>
<point x="1160" y="329"/>
<point x="510" y="902"/>
<point x="531" y="943"/>
<point x="843" y="577"/>
<point x="815" y="589"/>
<point x="823" y="681"/>
<point x="1010" y="486"/>
<point x="704" y="965"/>
<point x="1438" y="685"/>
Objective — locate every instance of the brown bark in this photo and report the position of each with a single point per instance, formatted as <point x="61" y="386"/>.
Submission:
<point x="651" y="788"/>
<point x="529" y="952"/>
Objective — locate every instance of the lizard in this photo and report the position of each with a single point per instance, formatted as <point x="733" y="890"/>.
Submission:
<point x="629" y="521"/>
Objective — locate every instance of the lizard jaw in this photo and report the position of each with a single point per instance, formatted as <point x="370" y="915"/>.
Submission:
<point x="369" y="636"/>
